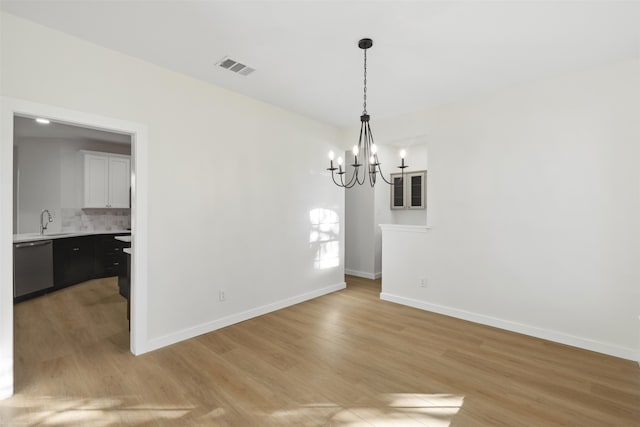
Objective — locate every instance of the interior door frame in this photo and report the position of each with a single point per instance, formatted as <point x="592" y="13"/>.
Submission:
<point x="9" y="107"/>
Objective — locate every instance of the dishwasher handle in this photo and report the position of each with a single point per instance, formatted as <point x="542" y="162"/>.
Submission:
<point x="32" y="244"/>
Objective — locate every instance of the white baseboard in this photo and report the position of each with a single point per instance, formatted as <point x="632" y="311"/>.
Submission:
<point x="560" y="337"/>
<point x="6" y="376"/>
<point x="638" y="353"/>
<point x="204" y="328"/>
<point x="6" y="392"/>
<point x="362" y="274"/>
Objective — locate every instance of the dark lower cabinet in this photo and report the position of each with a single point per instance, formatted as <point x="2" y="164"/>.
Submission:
<point x="81" y="258"/>
<point x="124" y="284"/>
<point x="78" y="259"/>
<point x="73" y="260"/>
<point x="124" y="279"/>
<point x="109" y="258"/>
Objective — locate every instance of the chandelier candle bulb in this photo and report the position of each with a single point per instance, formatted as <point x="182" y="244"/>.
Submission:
<point x="331" y="168"/>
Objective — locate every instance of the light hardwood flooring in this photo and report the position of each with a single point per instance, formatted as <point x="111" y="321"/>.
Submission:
<point x="345" y="359"/>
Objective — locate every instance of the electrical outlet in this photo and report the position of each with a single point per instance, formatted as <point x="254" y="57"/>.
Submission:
<point x="222" y="295"/>
<point x="423" y="282"/>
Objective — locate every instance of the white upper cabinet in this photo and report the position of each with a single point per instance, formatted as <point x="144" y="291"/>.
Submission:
<point x="107" y="178"/>
<point x="119" y="182"/>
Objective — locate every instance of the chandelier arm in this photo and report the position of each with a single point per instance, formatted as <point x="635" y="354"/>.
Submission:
<point x="342" y="180"/>
<point x="368" y="142"/>
<point x="382" y="175"/>
<point x="370" y="133"/>
<point x="365" y="142"/>
<point x="377" y="163"/>
<point x="351" y="182"/>
<point x="334" y="180"/>
<point x="363" y="179"/>
<point x="354" y="178"/>
<point x="372" y="177"/>
<point x="371" y="166"/>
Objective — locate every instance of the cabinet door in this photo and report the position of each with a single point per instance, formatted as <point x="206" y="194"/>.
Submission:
<point x="82" y="260"/>
<point x="73" y="260"/>
<point x="415" y="188"/>
<point x="119" y="182"/>
<point x="61" y="262"/>
<point x="96" y="181"/>
<point x="397" y="192"/>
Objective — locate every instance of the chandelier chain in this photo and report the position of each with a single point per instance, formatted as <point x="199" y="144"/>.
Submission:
<point x="364" y="104"/>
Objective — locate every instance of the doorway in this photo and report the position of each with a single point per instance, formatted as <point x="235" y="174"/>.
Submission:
<point x="11" y="107"/>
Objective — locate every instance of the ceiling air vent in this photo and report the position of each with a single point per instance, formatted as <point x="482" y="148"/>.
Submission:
<point x="235" y="66"/>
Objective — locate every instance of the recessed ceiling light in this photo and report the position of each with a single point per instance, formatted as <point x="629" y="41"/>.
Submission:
<point x="43" y="121"/>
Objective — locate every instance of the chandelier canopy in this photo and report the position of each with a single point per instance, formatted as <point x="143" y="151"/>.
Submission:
<point x="365" y="149"/>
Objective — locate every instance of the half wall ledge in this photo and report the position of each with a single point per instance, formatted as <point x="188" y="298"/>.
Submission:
<point x="405" y="228"/>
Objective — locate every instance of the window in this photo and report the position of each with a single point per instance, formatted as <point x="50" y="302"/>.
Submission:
<point x="408" y="192"/>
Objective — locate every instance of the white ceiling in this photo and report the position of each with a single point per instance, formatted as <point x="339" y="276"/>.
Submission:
<point x="26" y="127"/>
<point x="425" y="53"/>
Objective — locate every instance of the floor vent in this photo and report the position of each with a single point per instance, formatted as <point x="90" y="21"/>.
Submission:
<point x="235" y="66"/>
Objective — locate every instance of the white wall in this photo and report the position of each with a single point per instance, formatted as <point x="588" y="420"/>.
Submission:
<point x="359" y="226"/>
<point x="534" y="201"/>
<point x="230" y="205"/>
<point x="49" y="177"/>
<point x="366" y="208"/>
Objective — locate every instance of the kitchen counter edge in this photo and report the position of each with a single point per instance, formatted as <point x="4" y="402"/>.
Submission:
<point x="20" y="238"/>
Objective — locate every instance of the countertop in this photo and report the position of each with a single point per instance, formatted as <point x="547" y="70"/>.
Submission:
<point x="32" y="237"/>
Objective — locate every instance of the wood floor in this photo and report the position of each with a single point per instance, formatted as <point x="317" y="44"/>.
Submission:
<point x="345" y="359"/>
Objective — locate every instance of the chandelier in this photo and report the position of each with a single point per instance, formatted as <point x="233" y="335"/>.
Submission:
<point x="365" y="149"/>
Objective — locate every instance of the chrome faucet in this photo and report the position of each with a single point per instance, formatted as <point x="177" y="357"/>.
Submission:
<point x="43" y="225"/>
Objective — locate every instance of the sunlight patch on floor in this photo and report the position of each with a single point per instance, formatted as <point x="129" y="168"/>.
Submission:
<point x="86" y="412"/>
<point x="390" y="409"/>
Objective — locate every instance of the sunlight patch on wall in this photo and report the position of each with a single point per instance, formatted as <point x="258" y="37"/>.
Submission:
<point x="324" y="237"/>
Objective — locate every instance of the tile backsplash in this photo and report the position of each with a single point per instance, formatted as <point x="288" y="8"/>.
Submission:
<point x="95" y="219"/>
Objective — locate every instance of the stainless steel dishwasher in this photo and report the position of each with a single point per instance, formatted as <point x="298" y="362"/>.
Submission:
<point x="32" y="267"/>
